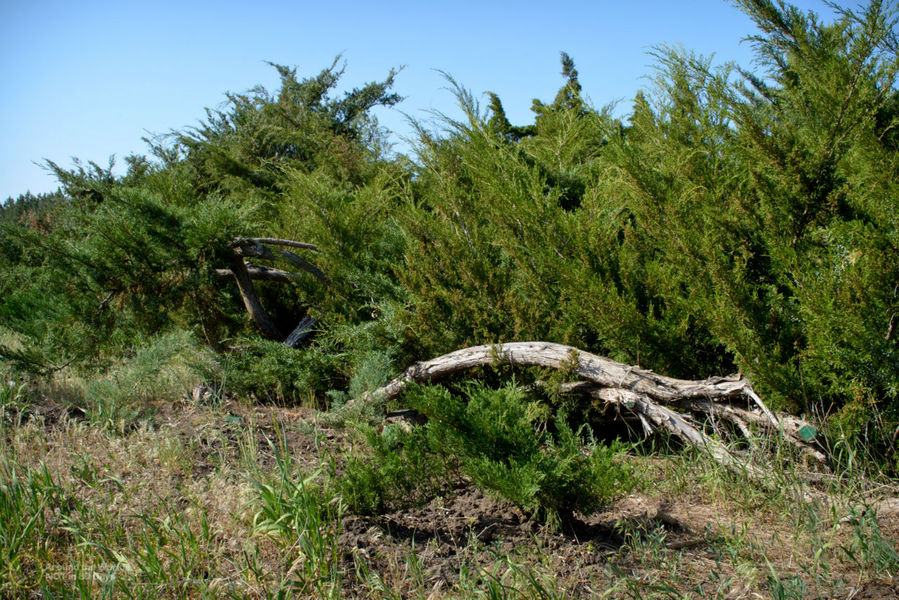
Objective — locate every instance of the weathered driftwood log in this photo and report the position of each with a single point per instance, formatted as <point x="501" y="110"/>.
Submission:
<point x="589" y="367"/>
<point x="650" y="396"/>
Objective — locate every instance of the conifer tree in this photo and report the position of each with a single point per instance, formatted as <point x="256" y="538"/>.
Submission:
<point x="499" y="123"/>
<point x="136" y="255"/>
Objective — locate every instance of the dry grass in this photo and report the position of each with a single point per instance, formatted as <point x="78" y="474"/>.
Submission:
<point x="232" y="500"/>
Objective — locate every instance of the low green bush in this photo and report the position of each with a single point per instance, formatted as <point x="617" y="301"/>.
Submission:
<point x="161" y="368"/>
<point x="500" y="441"/>
<point x="275" y="373"/>
<point x="400" y="469"/>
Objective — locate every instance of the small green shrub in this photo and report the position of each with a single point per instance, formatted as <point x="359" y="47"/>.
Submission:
<point x="402" y="469"/>
<point x="498" y="440"/>
<point x="273" y="372"/>
<point x="159" y="369"/>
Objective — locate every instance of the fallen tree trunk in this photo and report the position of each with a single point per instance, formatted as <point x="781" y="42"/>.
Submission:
<point x="653" y="398"/>
<point x="589" y="367"/>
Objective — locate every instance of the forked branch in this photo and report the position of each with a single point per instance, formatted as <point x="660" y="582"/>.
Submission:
<point x="245" y="273"/>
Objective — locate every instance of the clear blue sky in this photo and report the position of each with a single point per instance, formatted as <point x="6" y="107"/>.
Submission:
<point x="88" y="79"/>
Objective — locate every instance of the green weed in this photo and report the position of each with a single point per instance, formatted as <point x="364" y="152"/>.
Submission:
<point x="295" y="511"/>
<point x="28" y="500"/>
<point x="14" y="404"/>
<point x="867" y="548"/>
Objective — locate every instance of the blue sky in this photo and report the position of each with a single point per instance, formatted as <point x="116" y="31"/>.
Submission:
<point x="88" y="79"/>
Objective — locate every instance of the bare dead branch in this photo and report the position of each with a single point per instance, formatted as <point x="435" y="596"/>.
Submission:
<point x="257" y="250"/>
<point x="274" y="241"/>
<point x="260" y="273"/>
<point x="300" y="332"/>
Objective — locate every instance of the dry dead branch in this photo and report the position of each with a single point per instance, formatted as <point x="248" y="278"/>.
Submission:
<point x="662" y="404"/>
<point x="245" y="273"/>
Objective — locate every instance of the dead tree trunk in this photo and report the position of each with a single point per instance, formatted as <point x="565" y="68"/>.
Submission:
<point x="251" y="300"/>
<point x="244" y="274"/>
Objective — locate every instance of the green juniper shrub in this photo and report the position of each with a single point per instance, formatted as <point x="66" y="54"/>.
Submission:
<point x="372" y="348"/>
<point x="272" y="372"/>
<point x="117" y="260"/>
<point x="527" y="240"/>
<point x="505" y="446"/>
<point x="401" y="468"/>
<point x="111" y="257"/>
<point x="499" y="440"/>
<point x="344" y="361"/>
<point x="359" y="242"/>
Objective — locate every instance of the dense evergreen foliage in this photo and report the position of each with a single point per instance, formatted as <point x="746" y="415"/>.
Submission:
<point x="489" y="437"/>
<point x="734" y="220"/>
